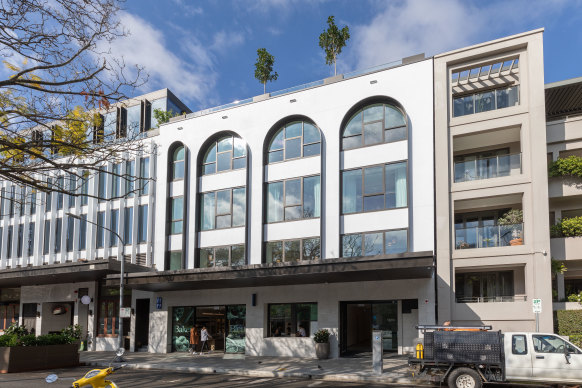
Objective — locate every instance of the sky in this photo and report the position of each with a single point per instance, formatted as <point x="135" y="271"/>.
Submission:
<point x="204" y="51"/>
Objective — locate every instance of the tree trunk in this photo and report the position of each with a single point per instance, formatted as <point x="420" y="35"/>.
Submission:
<point x="264" y="87"/>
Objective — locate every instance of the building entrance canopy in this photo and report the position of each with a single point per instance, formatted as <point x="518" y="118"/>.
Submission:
<point x="406" y="266"/>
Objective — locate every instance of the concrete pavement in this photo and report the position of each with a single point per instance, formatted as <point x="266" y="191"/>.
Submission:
<point x="395" y="369"/>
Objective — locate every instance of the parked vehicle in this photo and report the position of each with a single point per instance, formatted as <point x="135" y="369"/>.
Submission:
<point x="469" y="356"/>
<point x="95" y="378"/>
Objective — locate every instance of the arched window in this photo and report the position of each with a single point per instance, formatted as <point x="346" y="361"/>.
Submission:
<point x="374" y="124"/>
<point x="178" y="163"/>
<point x="295" y="140"/>
<point x="227" y="153"/>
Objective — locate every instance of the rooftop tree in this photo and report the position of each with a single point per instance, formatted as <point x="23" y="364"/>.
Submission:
<point x="332" y="41"/>
<point x="58" y="74"/>
<point x="264" y="68"/>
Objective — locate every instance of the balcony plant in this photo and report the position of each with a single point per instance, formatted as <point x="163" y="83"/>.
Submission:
<point x="321" y="338"/>
<point x="567" y="227"/>
<point x="566" y="167"/>
<point x="463" y="245"/>
<point x="513" y="218"/>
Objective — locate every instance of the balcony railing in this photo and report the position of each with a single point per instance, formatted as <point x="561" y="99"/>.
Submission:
<point x="489" y="236"/>
<point x="487" y="168"/>
<point x="491" y="299"/>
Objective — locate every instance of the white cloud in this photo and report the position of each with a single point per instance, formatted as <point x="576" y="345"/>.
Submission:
<point x="405" y="28"/>
<point x="188" y="9"/>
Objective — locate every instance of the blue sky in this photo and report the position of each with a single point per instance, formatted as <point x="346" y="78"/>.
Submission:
<point x="204" y="51"/>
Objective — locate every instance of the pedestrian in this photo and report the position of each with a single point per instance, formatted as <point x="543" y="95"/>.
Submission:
<point x="301" y="332"/>
<point x="204" y="337"/>
<point x="194" y="339"/>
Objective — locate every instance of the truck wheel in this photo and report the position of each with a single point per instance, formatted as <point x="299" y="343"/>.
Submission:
<point x="464" y="378"/>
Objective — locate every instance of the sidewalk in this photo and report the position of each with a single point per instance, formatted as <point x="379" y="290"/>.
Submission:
<point x="342" y="369"/>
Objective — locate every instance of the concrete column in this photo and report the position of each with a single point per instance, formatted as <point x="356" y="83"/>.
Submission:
<point x="561" y="286"/>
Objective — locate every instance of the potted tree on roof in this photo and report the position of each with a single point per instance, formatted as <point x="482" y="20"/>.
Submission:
<point x="321" y="338"/>
<point x="514" y="220"/>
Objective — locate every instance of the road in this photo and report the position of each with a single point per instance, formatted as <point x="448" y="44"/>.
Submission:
<point x="158" y="379"/>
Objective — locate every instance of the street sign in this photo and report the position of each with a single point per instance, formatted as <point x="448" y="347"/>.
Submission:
<point x="537" y="306"/>
<point x="125" y="312"/>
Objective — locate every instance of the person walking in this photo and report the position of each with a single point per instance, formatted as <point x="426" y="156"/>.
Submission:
<point x="204" y="336"/>
<point x="194" y="339"/>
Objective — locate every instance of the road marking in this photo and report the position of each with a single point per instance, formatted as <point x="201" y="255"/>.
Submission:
<point x="315" y="384"/>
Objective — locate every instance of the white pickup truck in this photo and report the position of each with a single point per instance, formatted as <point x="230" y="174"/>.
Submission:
<point x="468" y="357"/>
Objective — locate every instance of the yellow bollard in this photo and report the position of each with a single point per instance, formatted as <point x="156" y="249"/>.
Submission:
<point x="419" y="351"/>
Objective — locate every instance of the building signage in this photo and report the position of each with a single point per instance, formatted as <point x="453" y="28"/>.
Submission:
<point x="125" y="312"/>
<point x="537" y="306"/>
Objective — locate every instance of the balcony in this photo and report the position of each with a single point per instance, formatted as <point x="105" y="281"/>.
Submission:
<point x="492" y="299"/>
<point x="564" y="187"/>
<point x="479" y="168"/>
<point x="566" y="248"/>
<point x="489" y="236"/>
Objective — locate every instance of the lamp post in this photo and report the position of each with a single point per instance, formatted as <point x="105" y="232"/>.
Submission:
<point x="121" y="272"/>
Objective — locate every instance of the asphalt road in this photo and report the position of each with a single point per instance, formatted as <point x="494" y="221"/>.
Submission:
<point x="163" y="379"/>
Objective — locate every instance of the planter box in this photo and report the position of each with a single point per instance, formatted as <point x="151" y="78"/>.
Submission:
<point x="566" y="248"/>
<point x="27" y="358"/>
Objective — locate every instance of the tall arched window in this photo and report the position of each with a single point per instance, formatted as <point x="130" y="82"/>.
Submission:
<point x="227" y="153"/>
<point x="374" y="124"/>
<point x="178" y="163"/>
<point x="294" y="140"/>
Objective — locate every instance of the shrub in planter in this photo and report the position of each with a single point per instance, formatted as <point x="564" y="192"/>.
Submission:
<point x="570" y="166"/>
<point x="321" y="338"/>
<point x="567" y="227"/>
<point x="513" y="218"/>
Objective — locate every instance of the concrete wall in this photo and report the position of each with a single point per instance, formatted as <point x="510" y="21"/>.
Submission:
<point x="327" y="296"/>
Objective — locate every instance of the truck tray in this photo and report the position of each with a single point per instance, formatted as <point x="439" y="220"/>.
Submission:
<point x="463" y="347"/>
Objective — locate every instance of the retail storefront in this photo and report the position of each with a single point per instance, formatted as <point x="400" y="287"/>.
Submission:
<point x="9" y="307"/>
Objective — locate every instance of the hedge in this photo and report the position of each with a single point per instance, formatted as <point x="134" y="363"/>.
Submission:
<point x="567" y="227"/>
<point x="19" y="336"/>
<point x="570" y="323"/>
<point x="570" y="166"/>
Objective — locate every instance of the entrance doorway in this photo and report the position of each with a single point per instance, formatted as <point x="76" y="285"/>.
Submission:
<point x="226" y="325"/>
<point x="142" y="323"/>
<point x="358" y="319"/>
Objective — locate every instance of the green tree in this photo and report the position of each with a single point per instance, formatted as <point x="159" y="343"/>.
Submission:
<point x="332" y="41"/>
<point x="264" y="68"/>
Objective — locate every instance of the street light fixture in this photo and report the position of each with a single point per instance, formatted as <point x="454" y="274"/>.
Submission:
<point x="121" y="271"/>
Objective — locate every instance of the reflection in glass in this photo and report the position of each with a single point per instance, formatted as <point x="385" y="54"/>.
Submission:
<point x="311" y="249"/>
<point x="238" y="255"/>
<point x="292" y="250"/>
<point x="238" y="207"/>
<point x="293" y="192"/>
<point x="352" y="245"/>
<point x="207" y="211"/>
<point x="373" y="244"/>
<point x="396" y="185"/>
<point x="274" y="252"/>
<point x="224" y="161"/>
<point x="293" y="148"/>
<point x="275" y="202"/>
<point x="221" y="256"/>
<point x="311" y="197"/>
<point x="373" y="133"/>
<point x="396" y="241"/>
<point x="352" y="191"/>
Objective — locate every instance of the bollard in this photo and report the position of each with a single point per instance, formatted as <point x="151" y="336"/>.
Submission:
<point x="377" y="352"/>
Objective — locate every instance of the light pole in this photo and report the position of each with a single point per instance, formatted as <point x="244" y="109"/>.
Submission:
<point x="121" y="272"/>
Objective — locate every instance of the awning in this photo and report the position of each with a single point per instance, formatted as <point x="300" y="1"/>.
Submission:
<point x="563" y="98"/>
<point x="404" y="266"/>
<point x="64" y="273"/>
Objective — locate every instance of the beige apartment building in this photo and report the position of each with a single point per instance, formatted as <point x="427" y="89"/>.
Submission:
<point x="491" y="186"/>
<point x="564" y="139"/>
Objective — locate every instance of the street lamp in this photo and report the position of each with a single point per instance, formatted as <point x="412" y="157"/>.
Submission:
<point x="122" y="272"/>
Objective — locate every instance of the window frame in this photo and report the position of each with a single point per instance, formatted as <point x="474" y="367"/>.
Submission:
<point x="294" y="320"/>
<point x="303" y="144"/>
<point x="383" y="121"/>
<point x="214" y="144"/>
<point x="301" y="247"/>
<point x="216" y="214"/>
<point x="364" y="195"/>
<point x="493" y="90"/>
<point x="214" y="248"/>
<point x="362" y="237"/>
<point x="284" y="203"/>
<point x="513" y="350"/>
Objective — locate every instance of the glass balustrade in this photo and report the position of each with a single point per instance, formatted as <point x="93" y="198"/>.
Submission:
<point x="475" y="168"/>
<point x="488" y="236"/>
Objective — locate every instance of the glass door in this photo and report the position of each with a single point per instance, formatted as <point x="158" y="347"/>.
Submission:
<point x="235" y="328"/>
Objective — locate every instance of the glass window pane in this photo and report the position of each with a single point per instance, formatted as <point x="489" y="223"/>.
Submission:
<point x="224" y="161"/>
<point x="275" y="156"/>
<point x="373" y="113"/>
<point x="223" y="221"/>
<point x="311" y="249"/>
<point x="210" y="154"/>
<point x="373" y="133"/>
<point x="207" y="211"/>
<point x="374" y="202"/>
<point x="274" y="252"/>
<point x="395" y="134"/>
<point x="292" y="213"/>
<point x="396" y="241"/>
<point x="177" y="208"/>
<point x="311" y="149"/>
<point x="238" y="255"/>
<point x="484" y="102"/>
<point x="352" y="142"/>
<point x="238" y="207"/>
<point x="352" y="245"/>
<point x="354" y="126"/>
<point x="310" y="134"/>
<point x="225" y="144"/>
<point x="175" y="261"/>
<point x="293" y="130"/>
<point x="507" y="97"/>
<point x="240" y="148"/>
<point x="206" y="258"/>
<point x="277" y="141"/>
<point x="223" y="202"/>
<point x="179" y="154"/>
<point x="293" y="192"/>
<point x="373" y="244"/>
<point x="352" y="191"/>
<point x="221" y="257"/>
<point x="463" y="106"/>
<point x="311" y="197"/>
<point x="178" y="170"/>
<point x="209" y="168"/>
<point x="394" y="117"/>
<point x="142" y="223"/>
<point x="292" y="148"/>
<point x="275" y="202"/>
<point x="133" y="121"/>
<point x="292" y="251"/>
<point x="239" y="163"/>
<point x="176" y="227"/>
<point x="373" y="180"/>
<point x="396" y="185"/>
